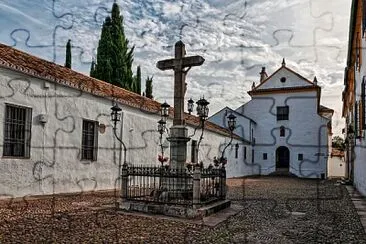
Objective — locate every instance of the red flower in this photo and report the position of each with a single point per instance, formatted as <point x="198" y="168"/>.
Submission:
<point x="162" y="159"/>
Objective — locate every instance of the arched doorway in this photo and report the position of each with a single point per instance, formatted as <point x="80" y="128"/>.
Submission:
<point x="282" y="158"/>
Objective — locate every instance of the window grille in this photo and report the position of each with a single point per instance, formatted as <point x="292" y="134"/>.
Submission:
<point x="300" y="156"/>
<point x="17" y="131"/>
<point x="282" y="131"/>
<point x="360" y="116"/>
<point x="282" y="113"/>
<point x="264" y="156"/>
<point x="236" y="150"/>
<point x="89" y="146"/>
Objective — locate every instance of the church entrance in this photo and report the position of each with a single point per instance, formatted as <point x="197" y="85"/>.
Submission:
<point x="282" y="158"/>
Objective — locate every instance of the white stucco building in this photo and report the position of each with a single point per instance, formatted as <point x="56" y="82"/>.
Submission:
<point x="289" y="129"/>
<point x="337" y="164"/>
<point x="56" y="135"/>
<point x="354" y="98"/>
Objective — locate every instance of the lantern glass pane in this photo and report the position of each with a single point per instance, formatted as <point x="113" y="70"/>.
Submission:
<point x="199" y="109"/>
<point x="190" y="107"/>
<point x="206" y="110"/>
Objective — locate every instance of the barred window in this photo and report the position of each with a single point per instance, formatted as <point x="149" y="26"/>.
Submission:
<point x="17" y="131"/>
<point x="89" y="145"/>
<point x="282" y="131"/>
<point x="357" y="117"/>
<point x="282" y="113"/>
<point x="264" y="156"/>
<point x="300" y="157"/>
<point x="236" y="150"/>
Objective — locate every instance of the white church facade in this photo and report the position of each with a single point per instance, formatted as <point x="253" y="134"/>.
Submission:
<point x="290" y="131"/>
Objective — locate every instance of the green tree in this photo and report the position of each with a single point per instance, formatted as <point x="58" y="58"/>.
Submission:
<point x="338" y="143"/>
<point x="137" y="81"/>
<point x="149" y="87"/>
<point x="68" y="54"/>
<point x="113" y="49"/>
<point x="92" y="68"/>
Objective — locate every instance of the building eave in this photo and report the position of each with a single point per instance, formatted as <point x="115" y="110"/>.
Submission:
<point x="27" y="64"/>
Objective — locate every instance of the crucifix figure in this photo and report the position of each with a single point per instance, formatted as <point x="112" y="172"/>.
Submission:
<point x="181" y="65"/>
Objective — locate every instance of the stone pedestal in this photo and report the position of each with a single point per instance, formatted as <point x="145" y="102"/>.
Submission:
<point x="178" y="155"/>
<point x="178" y="145"/>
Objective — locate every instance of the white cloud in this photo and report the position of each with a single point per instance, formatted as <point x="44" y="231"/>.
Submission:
<point x="236" y="38"/>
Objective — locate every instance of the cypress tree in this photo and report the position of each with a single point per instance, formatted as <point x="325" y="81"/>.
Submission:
<point x="92" y="68"/>
<point x="137" y="81"/>
<point x="148" y="87"/>
<point x="103" y="68"/>
<point x="68" y="54"/>
<point x="113" y="46"/>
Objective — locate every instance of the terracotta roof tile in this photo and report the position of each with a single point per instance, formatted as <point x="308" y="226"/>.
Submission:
<point x="14" y="59"/>
<point x="337" y="153"/>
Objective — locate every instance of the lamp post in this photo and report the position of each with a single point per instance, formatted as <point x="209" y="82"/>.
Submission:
<point x="202" y="112"/>
<point x="164" y="112"/>
<point x="161" y="130"/>
<point x="231" y="126"/>
<point x="190" y="105"/>
<point x="116" y="117"/>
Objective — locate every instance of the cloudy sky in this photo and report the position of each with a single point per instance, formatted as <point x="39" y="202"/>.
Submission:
<point x="236" y="37"/>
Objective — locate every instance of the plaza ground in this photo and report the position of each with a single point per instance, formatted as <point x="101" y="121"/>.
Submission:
<point x="274" y="210"/>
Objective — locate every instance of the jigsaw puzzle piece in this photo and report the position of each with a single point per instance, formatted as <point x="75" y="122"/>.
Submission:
<point x="23" y="21"/>
<point x="298" y="12"/>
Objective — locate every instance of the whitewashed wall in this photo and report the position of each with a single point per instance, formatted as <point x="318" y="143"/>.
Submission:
<point x="292" y="80"/>
<point x="306" y="132"/>
<point x="360" y="144"/>
<point x="336" y="167"/>
<point x="243" y="125"/>
<point x="55" y="166"/>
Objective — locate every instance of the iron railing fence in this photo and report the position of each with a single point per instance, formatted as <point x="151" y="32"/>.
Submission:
<point x="212" y="184"/>
<point x="165" y="185"/>
<point x="159" y="184"/>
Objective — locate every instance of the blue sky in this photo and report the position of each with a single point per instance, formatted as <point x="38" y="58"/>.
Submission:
<point x="236" y="37"/>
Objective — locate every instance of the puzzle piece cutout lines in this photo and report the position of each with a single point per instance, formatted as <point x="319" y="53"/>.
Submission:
<point x="44" y="43"/>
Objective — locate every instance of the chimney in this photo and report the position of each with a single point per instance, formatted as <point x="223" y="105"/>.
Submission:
<point x="263" y="74"/>
<point x="283" y="62"/>
<point x="253" y="85"/>
<point x="315" y="81"/>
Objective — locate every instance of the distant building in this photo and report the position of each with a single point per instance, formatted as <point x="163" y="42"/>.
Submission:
<point x="354" y="97"/>
<point x="336" y="164"/>
<point x="288" y="129"/>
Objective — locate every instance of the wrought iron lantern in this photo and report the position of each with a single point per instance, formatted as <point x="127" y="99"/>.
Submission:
<point x="115" y="117"/>
<point x="161" y="126"/>
<point x="202" y="109"/>
<point x="164" y="111"/>
<point x="116" y="114"/>
<point x="231" y="122"/>
<point x="190" y="105"/>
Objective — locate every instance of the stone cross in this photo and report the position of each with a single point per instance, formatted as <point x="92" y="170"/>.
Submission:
<point x="178" y="63"/>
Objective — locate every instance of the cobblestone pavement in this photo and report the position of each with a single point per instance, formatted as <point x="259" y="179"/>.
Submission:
<point x="276" y="210"/>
